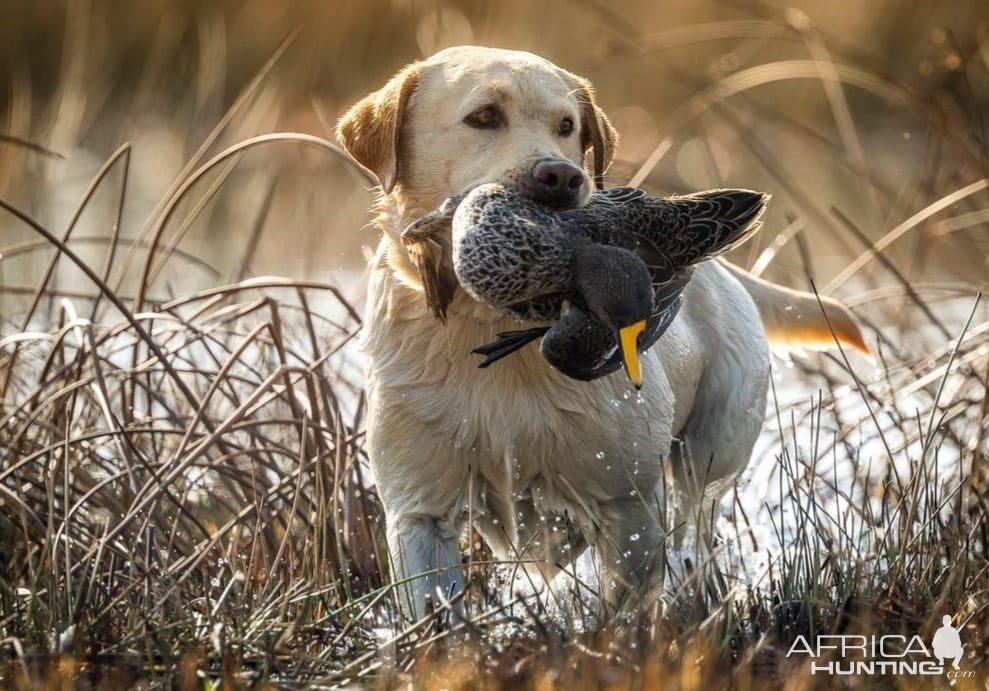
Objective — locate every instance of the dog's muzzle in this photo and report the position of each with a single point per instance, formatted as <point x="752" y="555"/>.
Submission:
<point x="556" y="183"/>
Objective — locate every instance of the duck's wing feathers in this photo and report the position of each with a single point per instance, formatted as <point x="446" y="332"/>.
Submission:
<point x="667" y="300"/>
<point x="709" y="223"/>
<point x="613" y="216"/>
<point x="687" y="229"/>
<point x="661" y="267"/>
<point x="616" y="196"/>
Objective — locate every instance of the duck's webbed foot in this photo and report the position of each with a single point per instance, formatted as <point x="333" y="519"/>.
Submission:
<point x="579" y="345"/>
<point x="507" y="343"/>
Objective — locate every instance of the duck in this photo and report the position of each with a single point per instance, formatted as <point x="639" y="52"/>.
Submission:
<point x="609" y="276"/>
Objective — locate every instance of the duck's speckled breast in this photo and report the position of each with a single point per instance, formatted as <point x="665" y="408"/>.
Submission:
<point x="511" y="254"/>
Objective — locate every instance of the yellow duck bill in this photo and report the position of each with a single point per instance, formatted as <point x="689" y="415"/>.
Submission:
<point x="628" y="341"/>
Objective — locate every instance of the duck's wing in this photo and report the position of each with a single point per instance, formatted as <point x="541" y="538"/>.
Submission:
<point x="507" y="343"/>
<point x="667" y="301"/>
<point x="707" y="224"/>
<point x="616" y="196"/>
<point x="427" y="241"/>
<point x="661" y="267"/>
<point x="686" y="229"/>
<point x="611" y="216"/>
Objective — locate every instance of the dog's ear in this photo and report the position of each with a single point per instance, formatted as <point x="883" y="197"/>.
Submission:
<point x="371" y="130"/>
<point x="596" y="132"/>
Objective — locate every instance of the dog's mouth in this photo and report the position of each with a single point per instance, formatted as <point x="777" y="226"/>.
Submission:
<point x="560" y="185"/>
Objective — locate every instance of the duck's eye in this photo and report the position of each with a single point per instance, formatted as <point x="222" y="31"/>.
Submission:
<point x="566" y="127"/>
<point x="486" y="118"/>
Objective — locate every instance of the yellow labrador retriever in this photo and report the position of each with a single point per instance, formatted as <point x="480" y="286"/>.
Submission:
<point x="541" y="464"/>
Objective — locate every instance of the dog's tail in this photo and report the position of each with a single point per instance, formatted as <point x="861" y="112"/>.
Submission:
<point x="794" y="319"/>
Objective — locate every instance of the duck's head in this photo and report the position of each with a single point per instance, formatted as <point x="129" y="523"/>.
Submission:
<point x="617" y="288"/>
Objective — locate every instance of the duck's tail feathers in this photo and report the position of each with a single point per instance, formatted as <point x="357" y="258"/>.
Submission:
<point x="795" y="319"/>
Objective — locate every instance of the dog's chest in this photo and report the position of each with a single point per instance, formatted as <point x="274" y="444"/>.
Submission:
<point x="519" y="419"/>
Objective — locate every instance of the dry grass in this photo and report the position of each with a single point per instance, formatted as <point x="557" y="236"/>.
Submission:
<point x="184" y="498"/>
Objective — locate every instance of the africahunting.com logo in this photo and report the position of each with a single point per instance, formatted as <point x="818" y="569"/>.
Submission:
<point x="893" y="654"/>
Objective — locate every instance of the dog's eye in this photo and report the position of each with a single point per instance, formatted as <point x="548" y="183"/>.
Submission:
<point x="486" y="118"/>
<point x="566" y="127"/>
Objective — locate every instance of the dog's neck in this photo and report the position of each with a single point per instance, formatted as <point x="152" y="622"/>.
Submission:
<point x="392" y="213"/>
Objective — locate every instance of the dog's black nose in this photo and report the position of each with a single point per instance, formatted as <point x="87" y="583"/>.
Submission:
<point x="557" y="182"/>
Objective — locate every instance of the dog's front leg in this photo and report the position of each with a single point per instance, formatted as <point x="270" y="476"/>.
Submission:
<point x="425" y="558"/>
<point x="422" y="483"/>
<point x="630" y="543"/>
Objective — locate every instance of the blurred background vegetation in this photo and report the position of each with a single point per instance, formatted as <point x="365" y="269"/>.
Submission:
<point x="724" y="93"/>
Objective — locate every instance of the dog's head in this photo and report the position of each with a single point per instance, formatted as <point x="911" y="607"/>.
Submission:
<point x="471" y="115"/>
